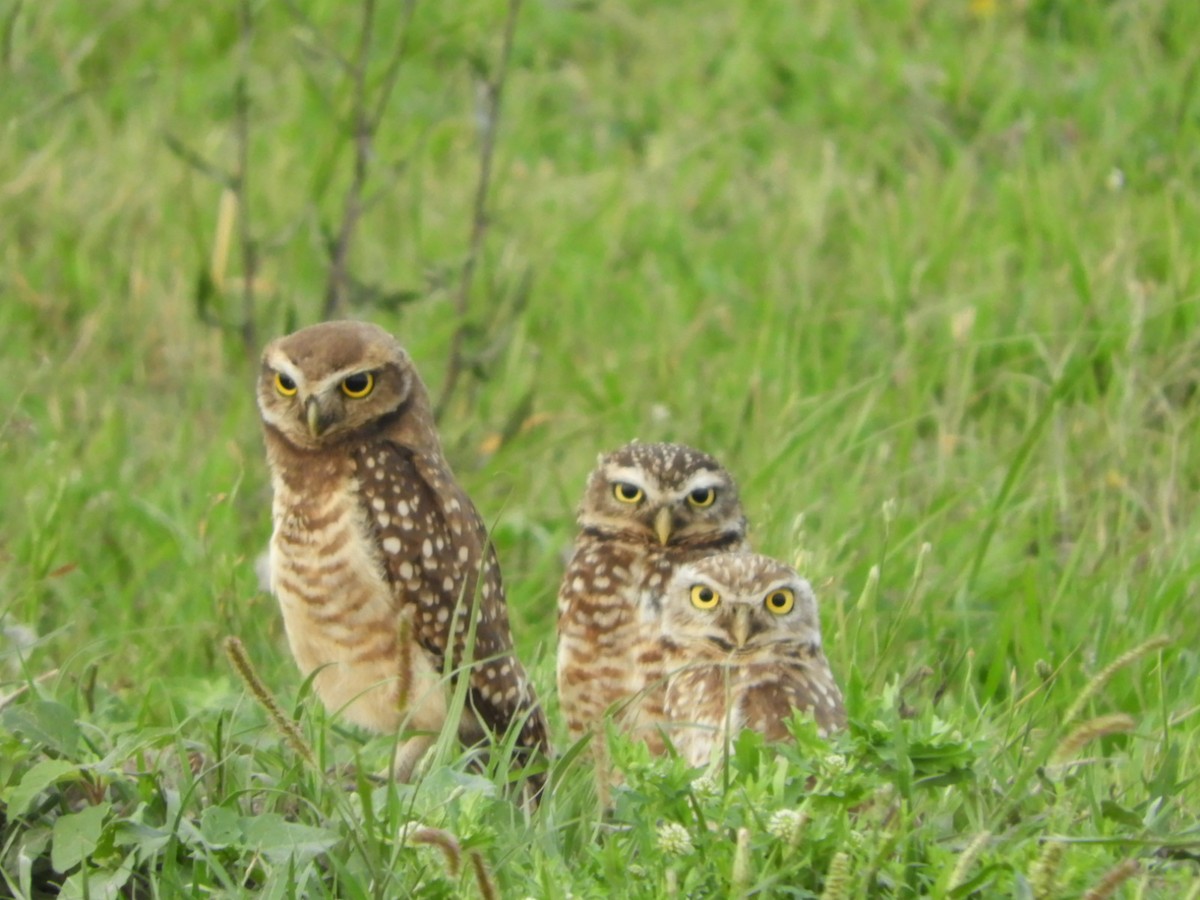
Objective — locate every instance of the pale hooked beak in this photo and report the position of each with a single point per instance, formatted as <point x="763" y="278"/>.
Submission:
<point x="312" y="413"/>
<point x="662" y="525"/>
<point x="741" y="626"/>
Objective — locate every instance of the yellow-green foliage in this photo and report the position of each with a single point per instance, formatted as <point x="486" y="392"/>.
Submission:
<point x="923" y="275"/>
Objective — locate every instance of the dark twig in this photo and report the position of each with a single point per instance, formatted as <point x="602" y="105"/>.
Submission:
<point x="336" y="286"/>
<point x="493" y="91"/>
<point x="315" y="39"/>
<point x="365" y="123"/>
<point x="198" y="162"/>
<point x="241" y="180"/>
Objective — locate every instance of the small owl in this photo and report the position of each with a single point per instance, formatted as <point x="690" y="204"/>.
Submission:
<point x="381" y="564"/>
<point x="647" y="509"/>
<point x="742" y="648"/>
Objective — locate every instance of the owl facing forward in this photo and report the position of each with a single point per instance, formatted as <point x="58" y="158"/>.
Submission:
<point x="381" y="564"/>
<point x="647" y="509"/>
<point x="742" y="646"/>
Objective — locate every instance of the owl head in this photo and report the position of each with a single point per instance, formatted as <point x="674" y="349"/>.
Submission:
<point x="666" y="494"/>
<point x="331" y="382"/>
<point x="738" y="603"/>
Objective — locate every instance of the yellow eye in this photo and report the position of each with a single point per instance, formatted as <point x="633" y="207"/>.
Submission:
<point x="284" y="385"/>
<point x="358" y="386"/>
<point x="780" y="601"/>
<point x="702" y="497"/>
<point x="704" y="597"/>
<point x="627" y="493"/>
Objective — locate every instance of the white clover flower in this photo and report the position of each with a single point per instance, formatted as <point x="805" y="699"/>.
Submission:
<point x="787" y="825"/>
<point x="673" y="839"/>
<point x="835" y="763"/>
<point x="707" y="786"/>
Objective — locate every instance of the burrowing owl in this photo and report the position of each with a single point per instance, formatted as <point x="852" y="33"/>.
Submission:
<point x="646" y="509"/>
<point x="742" y="649"/>
<point x="381" y="564"/>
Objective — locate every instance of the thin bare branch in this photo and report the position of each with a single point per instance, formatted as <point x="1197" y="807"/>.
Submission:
<point x="314" y="33"/>
<point x="197" y="161"/>
<point x="493" y="93"/>
<point x="241" y="180"/>
<point x="364" y="125"/>
<point x="336" y="288"/>
<point x="392" y="71"/>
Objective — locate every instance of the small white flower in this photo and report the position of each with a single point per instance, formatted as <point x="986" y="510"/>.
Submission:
<point x="1115" y="180"/>
<point x="787" y="825"/>
<point x="707" y="786"/>
<point x="835" y="763"/>
<point x="673" y="839"/>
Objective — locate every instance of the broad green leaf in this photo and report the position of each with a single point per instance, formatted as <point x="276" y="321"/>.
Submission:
<point x="36" y="780"/>
<point x="97" y="884"/>
<point x="45" y="722"/>
<point x="1118" y="813"/>
<point x="219" y="827"/>
<point x="32" y="847"/>
<point x="278" y="839"/>
<point x="145" y="838"/>
<point x="76" y="835"/>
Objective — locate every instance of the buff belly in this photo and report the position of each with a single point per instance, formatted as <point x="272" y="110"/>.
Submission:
<point x="341" y="618"/>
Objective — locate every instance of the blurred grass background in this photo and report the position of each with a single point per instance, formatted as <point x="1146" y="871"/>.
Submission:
<point x="916" y="272"/>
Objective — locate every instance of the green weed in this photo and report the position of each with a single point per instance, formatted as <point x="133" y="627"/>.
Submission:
<point x="923" y="275"/>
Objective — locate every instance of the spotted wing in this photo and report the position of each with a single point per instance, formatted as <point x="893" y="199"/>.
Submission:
<point x="803" y="683"/>
<point x="437" y="556"/>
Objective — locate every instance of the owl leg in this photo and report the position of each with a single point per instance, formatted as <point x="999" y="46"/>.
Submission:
<point x="409" y="754"/>
<point x="419" y="695"/>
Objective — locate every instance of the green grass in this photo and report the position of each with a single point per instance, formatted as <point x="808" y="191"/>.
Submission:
<point x="924" y="275"/>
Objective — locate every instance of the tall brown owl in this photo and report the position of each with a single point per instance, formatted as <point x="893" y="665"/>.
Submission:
<point x="742" y="648"/>
<point x="381" y="564"/>
<point x="647" y="509"/>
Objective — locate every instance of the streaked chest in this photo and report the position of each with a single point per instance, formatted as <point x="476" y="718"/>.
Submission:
<point x="326" y="570"/>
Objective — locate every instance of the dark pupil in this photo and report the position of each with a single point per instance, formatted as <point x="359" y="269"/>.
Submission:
<point x="628" y="491"/>
<point x="702" y="496"/>
<point x="705" y="595"/>
<point x="778" y="600"/>
<point x="356" y="383"/>
<point x="287" y="383"/>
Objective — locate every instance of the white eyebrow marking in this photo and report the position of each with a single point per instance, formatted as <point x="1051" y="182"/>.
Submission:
<point x="280" y="363"/>
<point x="336" y="378"/>
<point x="702" y="480"/>
<point x="626" y="474"/>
